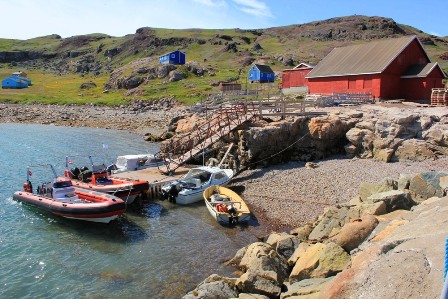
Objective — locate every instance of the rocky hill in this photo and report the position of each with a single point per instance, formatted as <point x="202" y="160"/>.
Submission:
<point x="131" y="61"/>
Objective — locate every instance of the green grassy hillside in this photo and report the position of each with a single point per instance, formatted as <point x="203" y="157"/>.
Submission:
<point x="58" y="67"/>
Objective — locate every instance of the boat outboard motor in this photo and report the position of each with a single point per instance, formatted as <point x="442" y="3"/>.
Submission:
<point x="75" y="172"/>
<point x="233" y="219"/>
<point x="111" y="168"/>
<point x="172" y="194"/>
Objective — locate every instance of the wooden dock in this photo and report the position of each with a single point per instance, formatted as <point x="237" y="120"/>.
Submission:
<point x="155" y="178"/>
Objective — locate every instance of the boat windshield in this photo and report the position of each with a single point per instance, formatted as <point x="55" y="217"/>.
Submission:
<point x="62" y="184"/>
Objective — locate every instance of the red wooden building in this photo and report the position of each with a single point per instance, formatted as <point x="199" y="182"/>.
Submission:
<point x="296" y="77"/>
<point x="396" y="68"/>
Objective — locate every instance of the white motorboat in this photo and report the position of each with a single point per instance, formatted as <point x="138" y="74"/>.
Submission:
<point x="134" y="162"/>
<point x="189" y="189"/>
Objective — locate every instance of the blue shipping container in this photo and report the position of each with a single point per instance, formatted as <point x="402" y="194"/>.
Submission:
<point x="175" y="57"/>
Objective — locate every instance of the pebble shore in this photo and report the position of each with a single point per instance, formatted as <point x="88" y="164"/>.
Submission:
<point x="290" y="195"/>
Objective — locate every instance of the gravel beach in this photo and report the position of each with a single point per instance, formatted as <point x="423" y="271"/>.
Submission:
<point x="290" y="195"/>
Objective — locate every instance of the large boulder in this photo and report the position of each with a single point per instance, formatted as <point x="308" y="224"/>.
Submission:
<point x="355" y="232"/>
<point x="284" y="244"/>
<point x="264" y="270"/>
<point x="176" y="75"/>
<point x="329" y="223"/>
<point x="300" y="250"/>
<point x="406" y="263"/>
<point x="306" y="289"/>
<point x="307" y="262"/>
<point x="404" y="181"/>
<point x="394" y="199"/>
<point x="259" y="283"/>
<point x="362" y="142"/>
<point x="134" y="82"/>
<point x="302" y="232"/>
<point x="163" y="70"/>
<point x="414" y="150"/>
<point x="214" y="287"/>
<point x="367" y="208"/>
<point x="426" y="185"/>
<point x="88" y="85"/>
<point x="320" y="261"/>
<point x="367" y="189"/>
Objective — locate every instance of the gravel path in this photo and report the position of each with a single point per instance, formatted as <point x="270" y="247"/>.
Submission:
<point x="290" y="195"/>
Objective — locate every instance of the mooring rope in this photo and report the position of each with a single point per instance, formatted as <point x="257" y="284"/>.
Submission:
<point x="278" y="153"/>
<point x="289" y="196"/>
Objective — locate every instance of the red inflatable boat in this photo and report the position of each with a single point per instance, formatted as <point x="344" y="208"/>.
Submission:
<point x="61" y="198"/>
<point x="97" y="179"/>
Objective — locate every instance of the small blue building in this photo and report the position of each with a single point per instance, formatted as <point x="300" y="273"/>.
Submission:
<point x="27" y="80"/>
<point x="261" y="73"/>
<point x="175" y="57"/>
<point x="14" y="82"/>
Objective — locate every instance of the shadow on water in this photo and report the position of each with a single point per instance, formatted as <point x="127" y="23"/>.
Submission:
<point x="146" y="209"/>
<point x="120" y="230"/>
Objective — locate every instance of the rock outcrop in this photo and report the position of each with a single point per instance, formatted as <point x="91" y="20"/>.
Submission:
<point x="382" y="133"/>
<point x="396" y="252"/>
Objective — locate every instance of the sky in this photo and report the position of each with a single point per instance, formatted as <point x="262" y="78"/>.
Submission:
<point x="25" y="19"/>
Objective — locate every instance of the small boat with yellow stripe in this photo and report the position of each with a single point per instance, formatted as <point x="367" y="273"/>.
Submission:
<point x="226" y="206"/>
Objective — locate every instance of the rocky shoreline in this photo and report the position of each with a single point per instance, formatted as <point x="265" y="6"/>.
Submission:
<point x="293" y="199"/>
<point x="271" y="191"/>
<point x="387" y="242"/>
<point x="139" y="117"/>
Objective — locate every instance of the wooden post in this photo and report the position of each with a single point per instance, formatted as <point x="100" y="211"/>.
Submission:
<point x="283" y="109"/>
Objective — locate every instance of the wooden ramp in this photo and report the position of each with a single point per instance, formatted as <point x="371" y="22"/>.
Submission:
<point x="155" y="179"/>
<point x="179" y="150"/>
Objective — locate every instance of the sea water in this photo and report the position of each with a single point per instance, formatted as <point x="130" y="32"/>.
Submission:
<point x="159" y="250"/>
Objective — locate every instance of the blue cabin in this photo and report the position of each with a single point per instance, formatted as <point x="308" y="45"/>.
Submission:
<point x="14" y="82"/>
<point x="261" y="73"/>
<point x="175" y="57"/>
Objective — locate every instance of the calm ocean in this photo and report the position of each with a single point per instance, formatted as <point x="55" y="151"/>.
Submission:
<point x="159" y="251"/>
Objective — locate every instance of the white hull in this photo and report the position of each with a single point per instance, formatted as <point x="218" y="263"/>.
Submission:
<point x="97" y="220"/>
<point x="130" y="199"/>
<point x="188" y="199"/>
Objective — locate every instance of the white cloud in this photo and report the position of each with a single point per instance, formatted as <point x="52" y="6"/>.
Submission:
<point x="212" y="3"/>
<point x="120" y="17"/>
<point x="435" y="33"/>
<point x="254" y="7"/>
